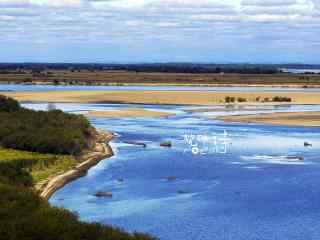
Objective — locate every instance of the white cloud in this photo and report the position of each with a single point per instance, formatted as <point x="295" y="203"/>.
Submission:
<point x="259" y="21"/>
<point x="46" y="3"/>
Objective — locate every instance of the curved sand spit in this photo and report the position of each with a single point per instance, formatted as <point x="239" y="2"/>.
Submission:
<point x="101" y="151"/>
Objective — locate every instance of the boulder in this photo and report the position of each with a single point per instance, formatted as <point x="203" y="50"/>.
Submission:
<point x="166" y="144"/>
<point x="103" y="194"/>
<point x="306" y="144"/>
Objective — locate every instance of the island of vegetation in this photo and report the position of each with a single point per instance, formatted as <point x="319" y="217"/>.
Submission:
<point x="34" y="146"/>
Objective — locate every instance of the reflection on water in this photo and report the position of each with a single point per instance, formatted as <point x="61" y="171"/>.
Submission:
<point x="265" y="187"/>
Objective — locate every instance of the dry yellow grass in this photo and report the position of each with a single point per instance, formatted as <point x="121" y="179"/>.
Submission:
<point x="130" y="112"/>
<point x="307" y="119"/>
<point x="158" y="97"/>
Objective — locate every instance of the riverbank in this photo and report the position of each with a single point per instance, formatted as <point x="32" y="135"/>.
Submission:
<point x="100" y="151"/>
<point x="303" y="119"/>
<point x="165" y="97"/>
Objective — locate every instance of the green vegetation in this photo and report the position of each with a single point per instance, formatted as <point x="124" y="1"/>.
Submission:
<point x="38" y="131"/>
<point x="40" y="166"/>
<point x="281" y="99"/>
<point x="240" y="99"/>
<point x="23" y="214"/>
<point x="229" y="99"/>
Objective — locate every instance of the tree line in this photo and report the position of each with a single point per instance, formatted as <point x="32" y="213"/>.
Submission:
<point x="40" y="131"/>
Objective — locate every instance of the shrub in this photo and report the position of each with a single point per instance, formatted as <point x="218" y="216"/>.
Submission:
<point x="240" y="99"/>
<point x="229" y="99"/>
<point x="8" y="104"/>
<point x="45" y="132"/>
<point x="281" y="99"/>
<point x="11" y="173"/>
<point x="24" y="216"/>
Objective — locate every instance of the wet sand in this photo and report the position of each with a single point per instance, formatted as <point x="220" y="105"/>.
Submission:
<point x="236" y="108"/>
<point x="305" y="119"/>
<point x="160" y="97"/>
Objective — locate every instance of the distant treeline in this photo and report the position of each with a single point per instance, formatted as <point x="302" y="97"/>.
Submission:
<point x="39" y="131"/>
<point x="19" y="68"/>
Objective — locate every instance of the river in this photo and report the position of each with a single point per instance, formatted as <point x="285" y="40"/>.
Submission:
<point x="256" y="182"/>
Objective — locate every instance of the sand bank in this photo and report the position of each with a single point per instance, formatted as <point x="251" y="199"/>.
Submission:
<point x="306" y="119"/>
<point x="159" y="97"/>
<point x="236" y="108"/>
<point x="89" y="159"/>
<point x="129" y="112"/>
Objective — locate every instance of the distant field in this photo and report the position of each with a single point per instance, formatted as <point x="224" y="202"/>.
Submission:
<point x="124" y="77"/>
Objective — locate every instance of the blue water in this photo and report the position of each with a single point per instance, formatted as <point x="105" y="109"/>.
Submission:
<point x="254" y="191"/>
<point x="29" y="87"/>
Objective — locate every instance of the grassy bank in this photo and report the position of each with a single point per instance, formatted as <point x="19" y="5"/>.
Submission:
<point x="39" y="166"/>
<point x="24" y="215"/>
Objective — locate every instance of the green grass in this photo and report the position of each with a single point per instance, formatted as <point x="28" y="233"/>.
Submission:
<point x="40" y="166"/>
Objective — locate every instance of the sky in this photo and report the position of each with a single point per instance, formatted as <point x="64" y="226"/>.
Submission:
<point x="131" y="31"/>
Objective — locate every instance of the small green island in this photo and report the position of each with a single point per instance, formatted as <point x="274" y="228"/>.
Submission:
<point x="36" y="146"/>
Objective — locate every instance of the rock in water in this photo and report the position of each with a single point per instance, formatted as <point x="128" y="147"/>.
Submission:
<point x="166" y="144"/>
<point x="136" y="143"/>
<point x="182" y="192"/>
<point x="103" y="194"/>
<point x="300" y="158"/>
<point x="306" y="144"/>
<point x="171" y="178"/>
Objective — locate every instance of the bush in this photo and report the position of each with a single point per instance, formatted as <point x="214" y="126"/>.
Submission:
<point x="11" y="173"/>
<point x="240" y="99"/>
<point x="229" y="99"/>
<point x="281" y="99"/>
<point x="45" y="132"/>
<point x="24" y="216"/>
<point x="8" y="104"/>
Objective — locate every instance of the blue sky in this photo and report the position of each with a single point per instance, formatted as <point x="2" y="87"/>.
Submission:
<point x="269" y="31"/>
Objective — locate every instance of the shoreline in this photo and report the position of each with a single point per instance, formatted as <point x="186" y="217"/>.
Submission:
<point x="100" y="151"/>
<point x="294" y="119"/>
